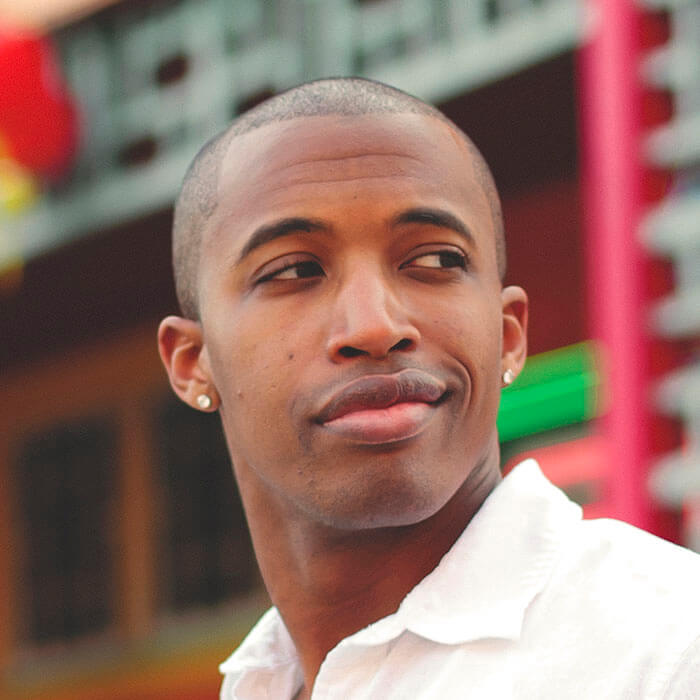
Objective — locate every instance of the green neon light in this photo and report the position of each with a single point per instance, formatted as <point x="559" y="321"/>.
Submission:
<point x="555" y="389"/>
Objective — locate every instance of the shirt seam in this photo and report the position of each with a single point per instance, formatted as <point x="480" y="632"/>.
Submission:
<point x="682" y="657"/>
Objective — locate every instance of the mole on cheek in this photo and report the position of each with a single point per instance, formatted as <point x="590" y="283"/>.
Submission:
<point x="291" y="356"/>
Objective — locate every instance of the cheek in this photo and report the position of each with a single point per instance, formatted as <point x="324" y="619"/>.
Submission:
<point x="254" y="368"/>
<point x="472" y="335"/>
<point x="472" y="339"/>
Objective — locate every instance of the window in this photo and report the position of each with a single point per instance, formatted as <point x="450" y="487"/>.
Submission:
<point x="65" y="478"/>
<point x="207" y="550"/>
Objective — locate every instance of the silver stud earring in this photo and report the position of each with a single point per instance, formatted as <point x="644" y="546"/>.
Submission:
<point x="508" y="377"/>
<point x="204" y="401"/>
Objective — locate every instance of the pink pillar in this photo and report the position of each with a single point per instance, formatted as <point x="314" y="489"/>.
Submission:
<point x="610" y="99"/>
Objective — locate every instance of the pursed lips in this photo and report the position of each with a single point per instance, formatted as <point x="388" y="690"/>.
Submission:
<point x="383" y="407"/>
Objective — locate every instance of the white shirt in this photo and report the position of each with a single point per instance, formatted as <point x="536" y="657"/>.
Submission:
<point x="531" y="602"/>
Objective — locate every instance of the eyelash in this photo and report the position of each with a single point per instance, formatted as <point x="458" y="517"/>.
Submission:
<point x="455" y="256"/>
<point x="271" y="276"/>
<point x="460" y="260"/>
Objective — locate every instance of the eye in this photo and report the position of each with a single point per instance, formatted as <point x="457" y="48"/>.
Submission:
<point x="301" y="270"/>
<point x="439" y="259"/>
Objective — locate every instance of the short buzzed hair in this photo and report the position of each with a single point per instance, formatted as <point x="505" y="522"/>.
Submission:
<point x="198" y="197"/>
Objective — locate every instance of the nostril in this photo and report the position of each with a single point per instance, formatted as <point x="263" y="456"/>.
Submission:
<point x="403" y="344"/>
<point x="348" y="351"/>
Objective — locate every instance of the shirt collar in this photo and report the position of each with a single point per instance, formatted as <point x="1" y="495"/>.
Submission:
<point x="266" y="659"/>
<point x="481" y="588"/>
<point x="485" y="582"/>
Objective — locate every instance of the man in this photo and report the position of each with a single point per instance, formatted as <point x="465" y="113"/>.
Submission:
<point x="339" y="260"/>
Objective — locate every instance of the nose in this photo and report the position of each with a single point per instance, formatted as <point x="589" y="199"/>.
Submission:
<point x="369" y="320"/>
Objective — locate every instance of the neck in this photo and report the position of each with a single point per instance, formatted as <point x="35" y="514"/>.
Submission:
<point x="328" y="584"/>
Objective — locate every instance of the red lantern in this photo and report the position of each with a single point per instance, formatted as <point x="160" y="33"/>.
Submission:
<point x="38" y="119"/>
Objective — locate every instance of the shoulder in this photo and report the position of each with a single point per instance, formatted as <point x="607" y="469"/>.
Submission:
<point x="619" y="612"/>
<point x="632" y="597"/>
<point x="631" y="560"/>
<point x="613" y="566"/>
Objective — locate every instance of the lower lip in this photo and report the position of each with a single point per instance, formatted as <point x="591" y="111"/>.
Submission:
<point x="382" y="425"/>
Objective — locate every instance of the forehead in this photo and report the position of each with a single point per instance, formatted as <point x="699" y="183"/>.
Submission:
<point x="318" y="166"/>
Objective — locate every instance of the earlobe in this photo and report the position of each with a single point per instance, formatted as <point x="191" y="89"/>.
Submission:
<point x="181" y="348"/>
<point x="514" y="309"/>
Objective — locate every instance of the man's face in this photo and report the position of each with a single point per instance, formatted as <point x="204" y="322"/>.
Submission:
<point x="353" y="318"/>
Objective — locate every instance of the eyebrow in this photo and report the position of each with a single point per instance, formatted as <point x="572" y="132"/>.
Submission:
<point x="283" y="227"/>
<point x="287" y="227"/>
<point x="435" y="217"/>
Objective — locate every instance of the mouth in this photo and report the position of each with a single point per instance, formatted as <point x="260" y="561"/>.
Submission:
<point x="379" y="409"/>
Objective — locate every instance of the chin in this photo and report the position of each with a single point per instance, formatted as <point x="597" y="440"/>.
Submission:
<point x="380" y="505"/>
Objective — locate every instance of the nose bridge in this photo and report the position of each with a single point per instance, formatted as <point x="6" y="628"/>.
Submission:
<point x="369" y="316"/>
<point x="365" y="294"/>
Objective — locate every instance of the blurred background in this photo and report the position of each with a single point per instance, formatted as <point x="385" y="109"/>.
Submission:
<point x="125" y="567"/>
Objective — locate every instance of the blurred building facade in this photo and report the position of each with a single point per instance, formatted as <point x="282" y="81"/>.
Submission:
<point x="125" y="566"/>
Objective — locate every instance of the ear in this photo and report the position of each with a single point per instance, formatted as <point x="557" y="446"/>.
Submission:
<point x="514" y="352"/>
<point x="181" y="348"/>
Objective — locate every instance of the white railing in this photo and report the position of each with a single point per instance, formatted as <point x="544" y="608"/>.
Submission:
<point x="673" y="231"/>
